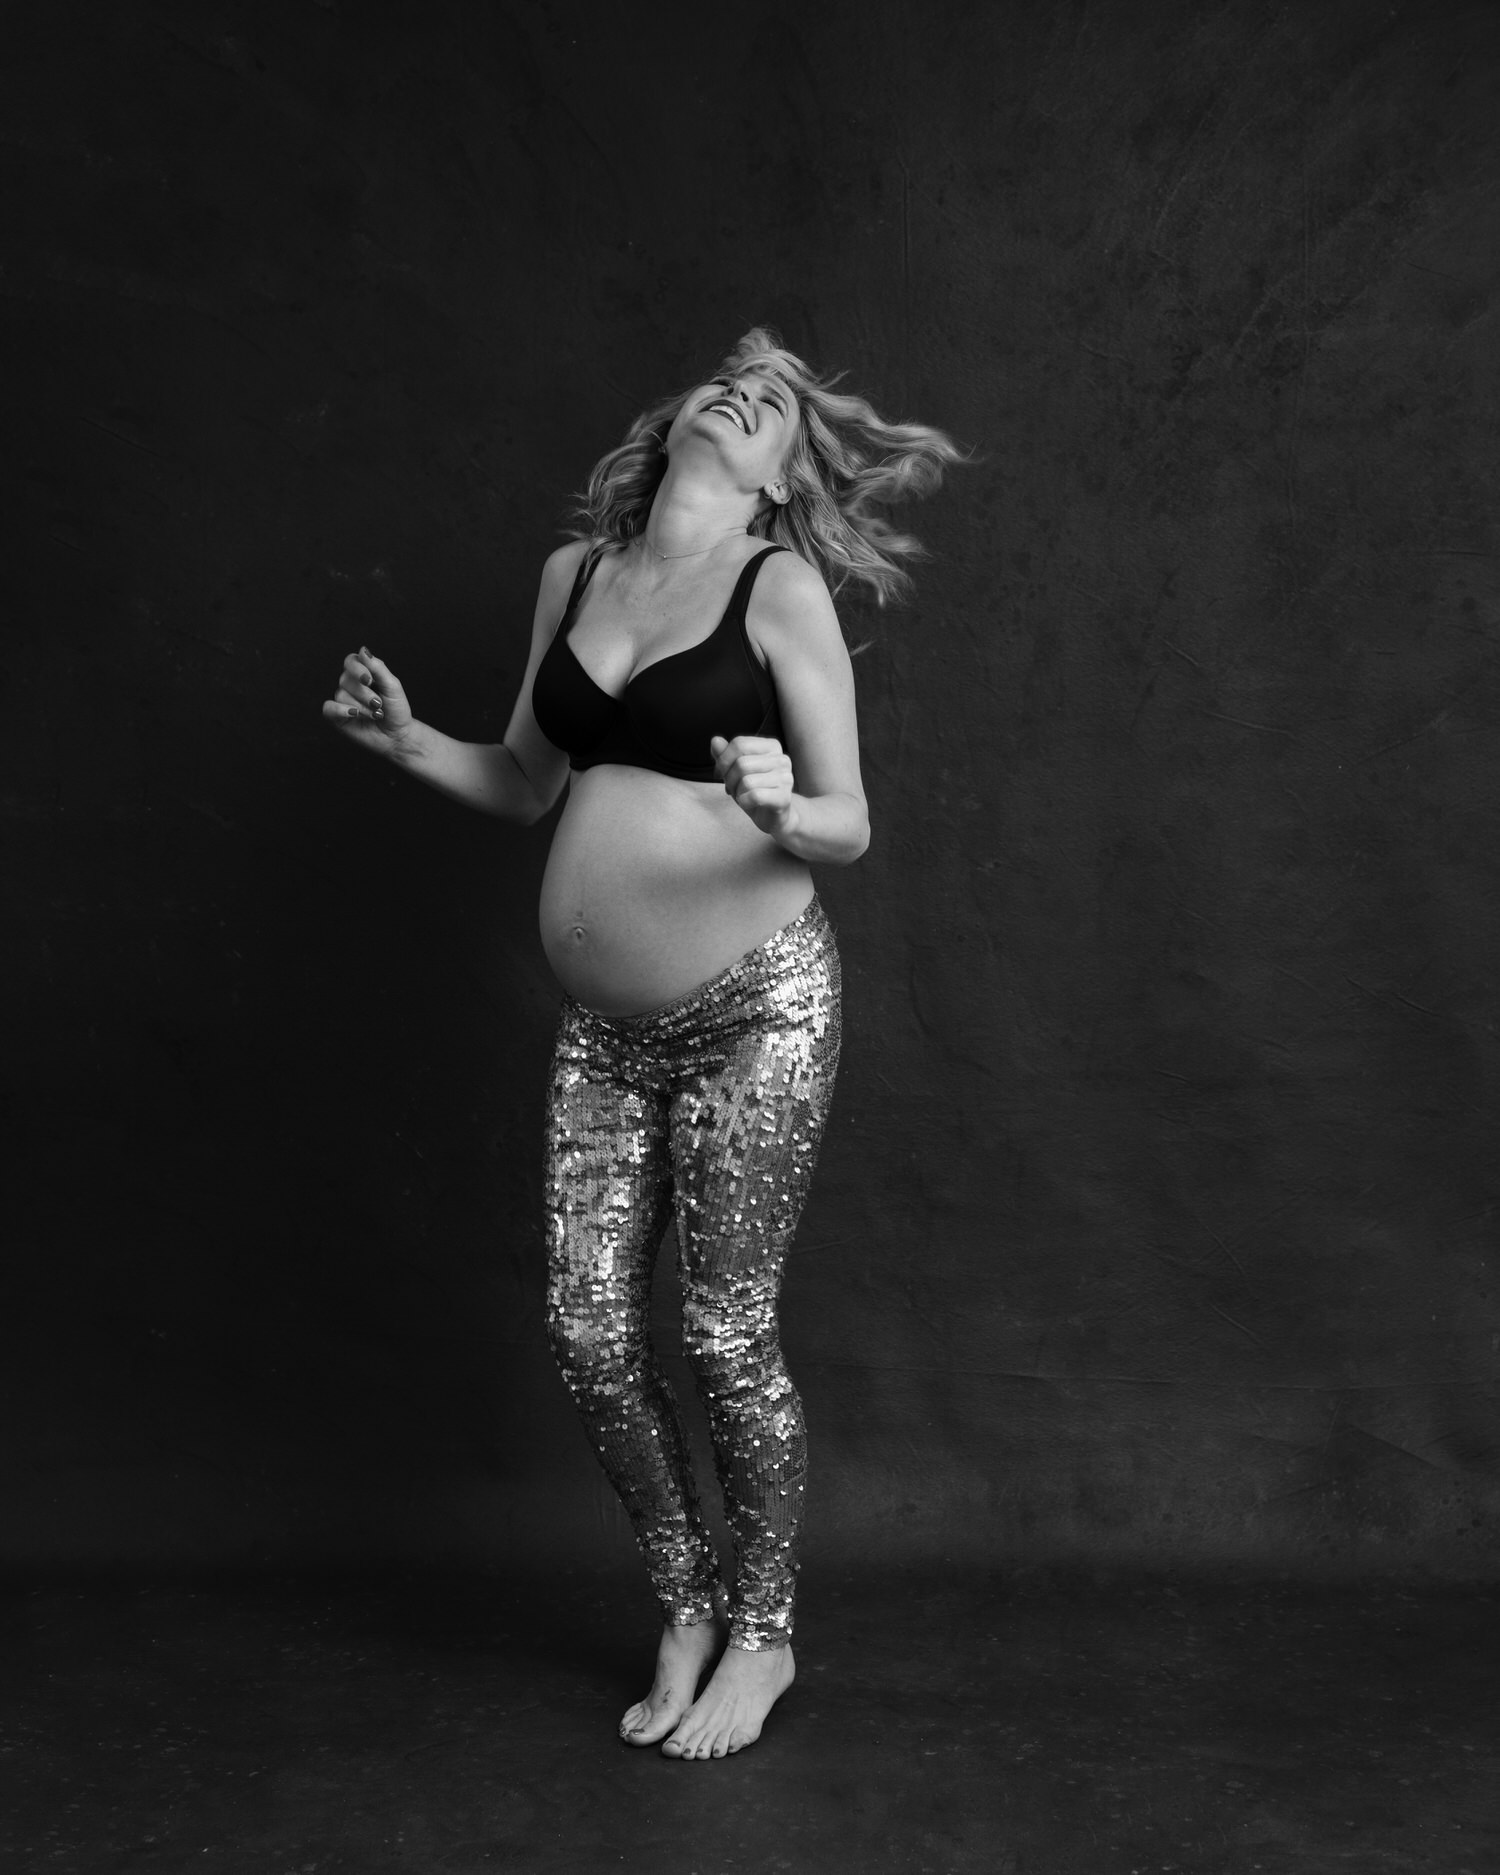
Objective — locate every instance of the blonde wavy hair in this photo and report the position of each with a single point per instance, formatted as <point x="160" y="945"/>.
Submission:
<point x="846" y="462"/>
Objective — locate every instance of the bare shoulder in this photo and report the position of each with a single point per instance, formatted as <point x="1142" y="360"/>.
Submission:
<point x="791" y="603"/>
<point x="558" y="573"/>
<point x="563" y="562"/>
<point x="787" y="579"/>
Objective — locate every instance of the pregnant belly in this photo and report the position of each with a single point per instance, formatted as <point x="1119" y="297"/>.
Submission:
<point x="654" y="885"/>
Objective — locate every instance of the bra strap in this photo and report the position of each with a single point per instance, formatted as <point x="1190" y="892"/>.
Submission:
<point x="739" y="606"/>
<point x="581" y="579"/>
<point x="739" y="599"/>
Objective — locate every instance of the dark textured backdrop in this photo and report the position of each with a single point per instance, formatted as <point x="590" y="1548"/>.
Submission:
<point x="1156" y="1216"/>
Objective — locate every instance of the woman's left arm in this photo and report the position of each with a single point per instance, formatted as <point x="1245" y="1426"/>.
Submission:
<point x="807" y="796"/>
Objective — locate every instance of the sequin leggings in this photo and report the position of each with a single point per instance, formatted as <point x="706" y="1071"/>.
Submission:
<point x="711" y="1107"/>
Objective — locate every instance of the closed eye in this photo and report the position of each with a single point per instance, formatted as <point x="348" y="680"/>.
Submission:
<point x="769" y="395"/>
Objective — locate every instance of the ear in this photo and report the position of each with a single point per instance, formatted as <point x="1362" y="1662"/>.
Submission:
<point x="779" y="492"/>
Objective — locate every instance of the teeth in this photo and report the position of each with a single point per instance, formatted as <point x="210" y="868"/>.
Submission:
<point x="738" y="415"/>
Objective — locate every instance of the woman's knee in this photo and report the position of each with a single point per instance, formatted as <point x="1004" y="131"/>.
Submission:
<point x="729" y="1345"/>
<point x="590" y="1342"/>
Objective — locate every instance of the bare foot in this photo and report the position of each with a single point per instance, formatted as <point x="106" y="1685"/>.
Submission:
<point x="734" y="1704"/>
<point x="680" y="1662"/>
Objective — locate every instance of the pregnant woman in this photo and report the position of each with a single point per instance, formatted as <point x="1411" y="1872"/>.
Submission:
<point x="688" y="682"/>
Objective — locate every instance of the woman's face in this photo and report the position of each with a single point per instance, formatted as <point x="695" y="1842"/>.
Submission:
<point x="749" y="418"/>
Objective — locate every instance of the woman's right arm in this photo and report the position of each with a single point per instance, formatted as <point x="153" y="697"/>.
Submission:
<point x="517" y="779"/>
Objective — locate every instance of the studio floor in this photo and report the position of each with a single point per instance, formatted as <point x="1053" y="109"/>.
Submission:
<point x="940" y="1726"/>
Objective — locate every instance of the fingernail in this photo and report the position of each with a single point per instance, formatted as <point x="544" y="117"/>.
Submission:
<point x="354" y="712"/>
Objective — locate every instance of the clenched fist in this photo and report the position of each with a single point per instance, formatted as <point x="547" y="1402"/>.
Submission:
<point x="757" y="775"/>
<point x="369" y="705"/>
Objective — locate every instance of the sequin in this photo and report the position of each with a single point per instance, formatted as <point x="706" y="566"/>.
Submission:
<point x="713" y="1108"/>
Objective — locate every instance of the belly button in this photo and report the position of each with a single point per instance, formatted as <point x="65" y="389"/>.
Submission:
<point x="578" y="934"/>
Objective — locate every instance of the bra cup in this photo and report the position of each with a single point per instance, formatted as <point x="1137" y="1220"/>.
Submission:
<point x="697" y="694"/>
<point x="571" y="711"/>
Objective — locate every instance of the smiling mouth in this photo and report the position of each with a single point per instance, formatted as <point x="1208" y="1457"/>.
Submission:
<point x="733" y="412"/>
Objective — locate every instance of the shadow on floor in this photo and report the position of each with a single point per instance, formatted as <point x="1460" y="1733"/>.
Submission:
<point x="1021" y="1725"/>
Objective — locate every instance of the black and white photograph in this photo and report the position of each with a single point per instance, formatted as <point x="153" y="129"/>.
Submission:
<point x="752" y="897"/>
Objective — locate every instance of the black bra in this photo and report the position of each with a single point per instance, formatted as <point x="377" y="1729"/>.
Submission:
<point x="670" y="709"/>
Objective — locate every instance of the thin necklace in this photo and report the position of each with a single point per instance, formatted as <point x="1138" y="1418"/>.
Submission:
<point x="698" y="553"/>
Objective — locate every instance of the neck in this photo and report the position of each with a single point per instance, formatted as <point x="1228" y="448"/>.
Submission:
<point x="689" y="515"/>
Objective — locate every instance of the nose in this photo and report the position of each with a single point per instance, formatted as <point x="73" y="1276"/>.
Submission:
<point x="737" y="389"/>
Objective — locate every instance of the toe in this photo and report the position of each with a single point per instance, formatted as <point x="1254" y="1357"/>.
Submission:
<point x="651" y="1727"/>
